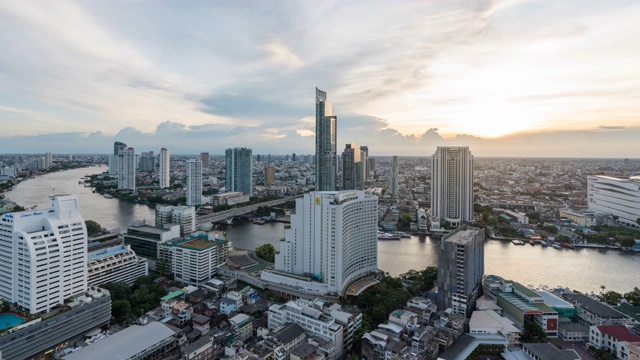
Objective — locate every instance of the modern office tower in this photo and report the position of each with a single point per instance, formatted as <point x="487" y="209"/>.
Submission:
<point x="326" y="144"/>
<point x="364" y="157"/>
<point x="164" y="169"/>
<point x="258" y="158"/>
<point x="393" y="186"/>
<point x="127" y="169"/>
<point x="269" y="176"/>
<point x="204" y="157"/>
<point x="43" y="255"/>
<point x="185" y="216"/>
<point x="115" y="264"/>
<point x="194" y="182"/>
<point x="372" y="167"/>
<point x="348" y="167"/>
<point x="293" y="157"/>
<point x="331" y="243"/>
<point x="144" y="240"/>
<point x="113" y="159"/>
<point x="239" y="173"/>
<point x="48" y="159"/>
<point x="359" y="176"/>
<point x="618" y="197"/>
<point x="460" y="270"/>
<point x="147" y="161"/>
<point x="195" y="259"/>
<point x="452" y="185"/>
<point x="117" y="146"/>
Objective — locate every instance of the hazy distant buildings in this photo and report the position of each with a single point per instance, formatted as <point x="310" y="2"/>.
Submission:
<point x="194" y="182"/>
<point x="117" y="146"/>
<point x="43" y="255"/>
<point x="127" y="169"/>
<point x="618" y="197"/>
<point x="113" y="159"/>
<point x="48" y="159"/>
<point x="348" y="167"/>
<point x="460" y="270"/>
<point x="269" y="175"/>
<point x="364" y="157"/>
<point x="204" y="157"/>
<point x="326" y="144"/>
<point x="332" y="242"/>
<point x="393" y="186"/>
<point x="239" y="170"/>
<point x="147" y="161"/>
<point x="164" y="168"/>
<point x="452" y="185"/>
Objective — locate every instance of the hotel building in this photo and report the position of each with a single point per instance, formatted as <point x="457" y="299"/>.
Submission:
<point x="331" y="243"/>
<point x="452" y="185"/>
<point x="618" y="197"/>
<point x="115" y="264"/>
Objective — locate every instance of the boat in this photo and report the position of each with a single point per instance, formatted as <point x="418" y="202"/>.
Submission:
<point x="544" y="243"/>
<point x="387" y="236"/>
<point x="556" y="246"/>
<point x="402" y="234"/>
<point x="259" y="221"/>
<point x="108" y="196"/>
<point x="517" y="242"/>
<point x="568" y="246"/>
<point x="531" y="242"/>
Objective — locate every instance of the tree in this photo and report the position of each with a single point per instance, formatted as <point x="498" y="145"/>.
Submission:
<point x="633" y="296"/>
<point x="121" y="309"/>
<point x="627" y="242"/>
<point x="93" y="228"/>
<point x="266" y="252"/>
<point x="612" y="298"/>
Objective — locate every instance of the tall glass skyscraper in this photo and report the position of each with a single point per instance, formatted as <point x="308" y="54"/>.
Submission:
<point x="348" y="167"/>
<point x="326" y="144"/>
<point x="239" y="173"/>
<point x="452" y="185"/>
<point x="194" y="182"/>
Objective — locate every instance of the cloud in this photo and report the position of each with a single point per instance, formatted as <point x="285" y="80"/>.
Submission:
<point x="282" y="55"/>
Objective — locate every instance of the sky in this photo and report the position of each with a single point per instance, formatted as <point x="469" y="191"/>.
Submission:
<point x="507" y="78"/>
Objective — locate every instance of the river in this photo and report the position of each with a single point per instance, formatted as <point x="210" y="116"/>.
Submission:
<point x="583" y="270"/>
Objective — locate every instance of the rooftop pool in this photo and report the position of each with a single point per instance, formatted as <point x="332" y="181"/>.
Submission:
<point x="9" y="320"/>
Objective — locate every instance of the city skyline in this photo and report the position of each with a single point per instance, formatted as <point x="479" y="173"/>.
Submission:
<point x="448" y="74"/>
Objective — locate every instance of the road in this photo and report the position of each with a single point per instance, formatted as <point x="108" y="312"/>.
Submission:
<point x="222" y="215"/>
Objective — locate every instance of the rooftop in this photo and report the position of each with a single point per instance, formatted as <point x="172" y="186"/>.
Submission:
<point x="619" y="332"/>
<point x="196" y="243"/>
<point x="172" y="295"/>
<point x="103" y="253"/>
<point x="547" y="352"/>
<point x="593" y="306"/>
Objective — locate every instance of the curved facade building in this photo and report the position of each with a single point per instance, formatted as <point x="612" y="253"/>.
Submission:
<point x="332" y="242"/>
<point x="618" y="197"/>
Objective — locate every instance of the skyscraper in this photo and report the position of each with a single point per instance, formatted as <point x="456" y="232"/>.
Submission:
<point x="364" y="157"/>
<point x="332" y="240"/>
<point x="43" y="256"/>
<point x="48" y="159"/>
<point x="326" y="144"/>
<point x="269" y="175"/>
<point x="194" y="182"/>
<point x="147" y="161"/>
<point x="393" y="186"/>
<point x="113" y="159"/>
<point x="127" y="169"/>
<point x="460" y="270"/>
<point x="452" y="185"/>
<point x="239" y="172"/>
<point x="348" y="167"/>
<point x="117" y="146"/>
<point x="164" y="169"/>
<point x="204" y="157"/>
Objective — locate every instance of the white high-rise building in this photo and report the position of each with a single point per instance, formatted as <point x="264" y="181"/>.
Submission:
<point x="185" y="216"/>
<point x="618" y="197"/>
<point x="43" y="255"/>
<point x="127" y="169"/>
<point x="452" y="185"/>
<point x="331" y="243"/>
<point x="194" y="182"/>
<point x="164" y="168"/>
<point x="48" y="159"/>
<point x="393" y="186"/>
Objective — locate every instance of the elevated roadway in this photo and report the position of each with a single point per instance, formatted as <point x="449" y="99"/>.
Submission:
<point x="226" y="214"/>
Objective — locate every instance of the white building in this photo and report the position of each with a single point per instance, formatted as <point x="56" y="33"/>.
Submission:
<point x="452" y="185"/>
<point x="194" y="182"/>
<point x="48" y="159"/>
<point x="618" y="197"/>
<point x="43" y="255"/>
<point x="185" y="216"/>
<point x="115" y="264"/>
<point x="242" y="327"/>
<point x="489" y="322"/>
<point x="127" y="169"/>
<point x="164" y="168"/>
<point x="232" y="301"/>
<point x="614" y="339"/>
<point x="393" y="186"/>
<point x="195" y="260"/>
<point x="423" y="220"/>
<point x="331" y="243"/>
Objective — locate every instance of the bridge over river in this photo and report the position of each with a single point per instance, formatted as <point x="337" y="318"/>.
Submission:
<point x="228" y="215"/>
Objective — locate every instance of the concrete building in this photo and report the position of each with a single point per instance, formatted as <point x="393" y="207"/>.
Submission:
<point x="269" y="175"/>
<point x="85" y="311"/>
<point x="393" y="181"/>
<point x="185" y="216"/>
<point x="113" y="159"/>
<point x="618" y="197"/>
<point x="326" y="143"/>
<point x="195" y="260"/>
<point x="591" y="312"/>
<point x="422" y="220"/>
<point x="164" y="169"/>
<point x="150" y="341"/>
<point x="239" y="170"/>
<point x="460" y="270"/>
<point x="194" y="182"/>
<point x="43" y="255"/>
<point x="48" y="159"/>
<point x="364" y="158"/>
<point x="452" y="185"/>
<point x="144" y="240"/>
<point x="242" y="327"/>
<point x="204" y="157"/>
<point x="115" y="264"/>
<point x="586" y="219"/>
<point x="348" y="167"/>
<point x="489" y="322"/>
<point x="613" y="339"/>
<point x="147" y="161"/>
<point x="331" y="243"/>
<point x="127" y="169"/>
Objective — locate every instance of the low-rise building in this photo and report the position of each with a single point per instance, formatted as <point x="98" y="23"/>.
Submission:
<point x="546" y="351"/>
<point x="613" y="339"/>
<point x="242" y="327"/>
<point x="115" y="264"/>
<point x="573" y="332"/>
<point x="591" y="312"/>
<point x="489" y="322"/>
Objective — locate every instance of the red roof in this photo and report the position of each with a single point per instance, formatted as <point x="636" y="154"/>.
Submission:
<point x="619" y="332"/>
